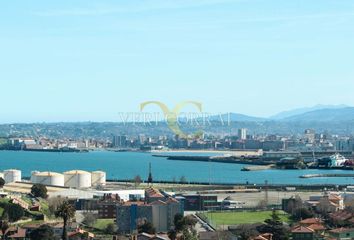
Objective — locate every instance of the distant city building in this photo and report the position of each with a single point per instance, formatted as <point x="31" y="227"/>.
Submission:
<point x="345" y="144"/>
<point x="273" y="145"/>
<point x="309" y="135"/>
<point x="119" y="141"/>
<point x="242" y="134"/>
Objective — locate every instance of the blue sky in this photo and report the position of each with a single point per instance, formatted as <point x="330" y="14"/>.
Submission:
<point x="88" y="60"/>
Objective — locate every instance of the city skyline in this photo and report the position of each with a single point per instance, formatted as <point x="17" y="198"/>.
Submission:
<point x="80" y="61"/>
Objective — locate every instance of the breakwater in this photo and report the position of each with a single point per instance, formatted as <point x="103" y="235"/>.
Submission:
<point x="218" y="159"/>
<point x="327" y="175"/>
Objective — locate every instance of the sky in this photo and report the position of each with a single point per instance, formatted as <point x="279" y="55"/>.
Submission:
<point x="81" y="60"/>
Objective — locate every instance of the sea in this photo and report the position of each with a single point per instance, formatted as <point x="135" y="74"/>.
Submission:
<point x="127" y="165"/>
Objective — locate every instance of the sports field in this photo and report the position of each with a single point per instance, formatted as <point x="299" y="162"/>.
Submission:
<point x="234" y="218"/>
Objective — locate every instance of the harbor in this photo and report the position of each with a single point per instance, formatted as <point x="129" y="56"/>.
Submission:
<point x="126" y="165"/>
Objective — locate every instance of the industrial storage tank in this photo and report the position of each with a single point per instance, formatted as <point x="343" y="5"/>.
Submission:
<point x="12" y="175"/>
<point x="48" y="178"/>
<point x="77" y="179"/>
<point x="98" y="178"/>
<point x="33" y="176"/>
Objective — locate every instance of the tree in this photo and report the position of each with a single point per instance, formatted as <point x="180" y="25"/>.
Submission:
<point x="39" y="190"/>
<point x="294" y="204"/>
<point x="44" y="232"/>
<point x="275" y="226"/>
<point x="189" y="234"/>
<point x="66" y="211"/>
<point x="246" y="231"/>
<point x="189" y="221"/>
<point x="111" y="228"/>
<point x="89" y="219"/>
<point x="2" y="182"/>
<point x="146" y="227"/>
<point x="172" y="234"/>
<point x="323" y="207"/>
<point x="181" y="223"/>
<point x="183" y="179"/>
<point x="54" y="203"/>
<point x="14" y="212"/>
<point x="137" y="181"/>
<point x="302" y="213"/>
<point x="4" y="226"/>
<point x="184" y="224"/>
<point x="178" y="222"/>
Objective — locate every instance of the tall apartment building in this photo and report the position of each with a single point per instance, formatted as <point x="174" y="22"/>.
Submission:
<point x="107" y="206"/>
<point x="157" y="209"/>
<point x="242" y="134"/>
<point x="119" y="141"/>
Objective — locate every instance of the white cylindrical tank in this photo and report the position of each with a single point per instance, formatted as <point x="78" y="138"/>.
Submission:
<point x="12" y="175"/>
<point x="98" y="178"/>
<point x="77" y="179"/>
<point x="33" y="176"/>
<point x="48" y="178"/>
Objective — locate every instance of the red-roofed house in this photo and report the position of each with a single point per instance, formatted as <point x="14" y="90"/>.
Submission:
<point x="342" y="233"/>
<point x="302" y="233"/>
<point x="264" y="236"/>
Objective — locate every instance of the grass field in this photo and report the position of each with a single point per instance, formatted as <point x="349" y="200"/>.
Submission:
<point x="234" y="218"/>
<point x="102" y="223"/>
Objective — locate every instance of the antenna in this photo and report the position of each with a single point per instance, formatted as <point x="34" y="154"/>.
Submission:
<point x="150" y="175"/>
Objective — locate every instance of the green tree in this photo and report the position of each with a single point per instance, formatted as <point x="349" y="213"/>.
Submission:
<point x="14" y="212"/>
<point x="39" y="190"/>
<point x="189" y="234"/>
<point x="178" y="222"/>
<point x="54" y="203"/>
<point x="66" y="211"/>
<point x="183" y="222"/>
<point x="111" y="228"/>
<point x="4" y="226"/>
<point x="2" y="182"/>
<point x="146" y="227"/>
<point x="189" y="221"/>
<point x="44" y="232"/>
<point x="246" y="231"/>
<point x="137" y="181"/>
<point x="89" y="219"/>
<point x="302" y="213"/>
<point x="172" y="234"/>
<point x="275" y="226"/>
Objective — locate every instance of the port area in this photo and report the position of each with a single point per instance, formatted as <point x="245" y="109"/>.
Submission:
<point x="261" y="162"/>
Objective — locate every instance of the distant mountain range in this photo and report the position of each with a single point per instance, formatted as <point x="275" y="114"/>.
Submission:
<point x="237" y="117"/>
<point x="325" y="115"/>
<point x="332" y="119"/>
<point x="319" y="113"/>
<point x="299" y="111"/>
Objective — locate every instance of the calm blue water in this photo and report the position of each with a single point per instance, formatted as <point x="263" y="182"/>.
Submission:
<point x="126" y="165"/>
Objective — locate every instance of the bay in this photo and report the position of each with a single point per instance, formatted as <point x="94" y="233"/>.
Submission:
<point x="126" y="165"/>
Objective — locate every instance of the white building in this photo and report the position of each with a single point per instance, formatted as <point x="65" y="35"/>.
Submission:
<point x="242" y="133"/>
